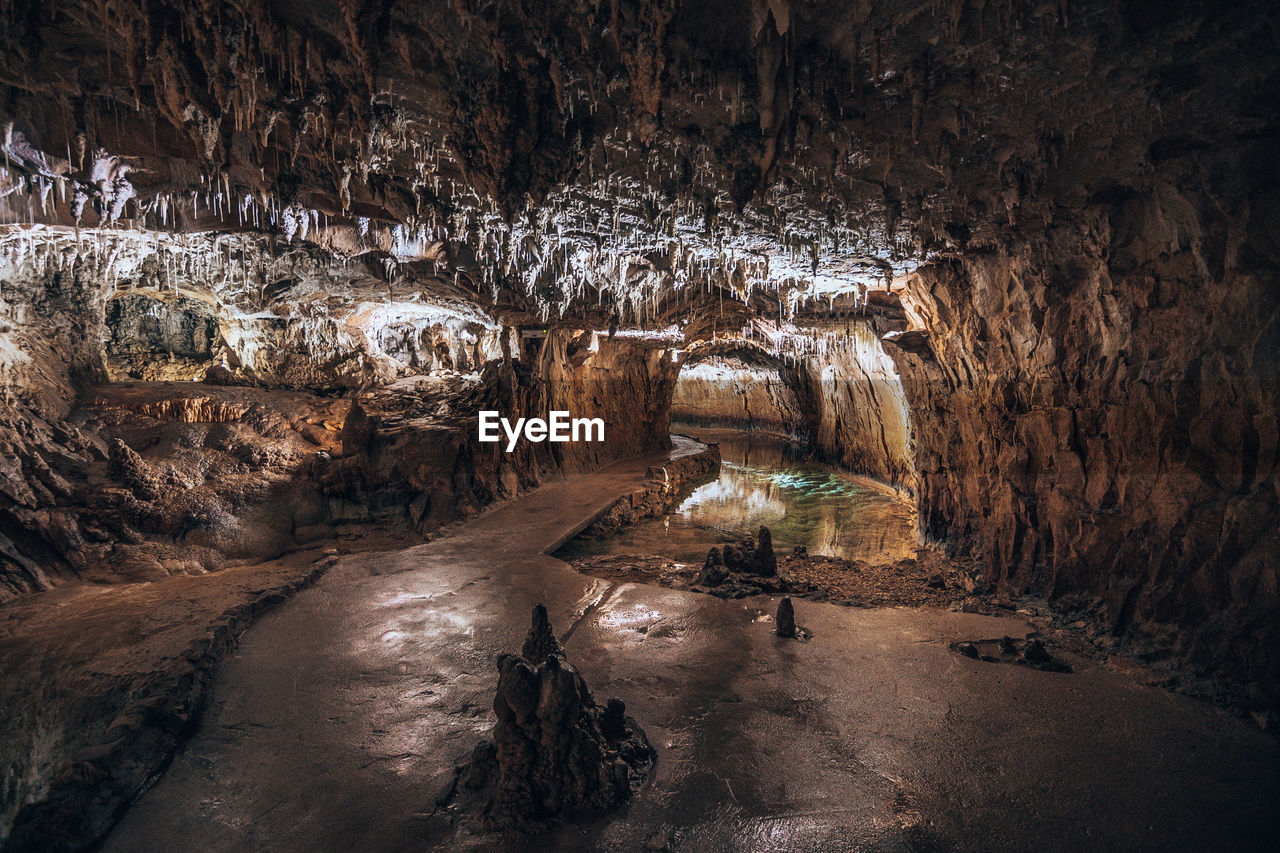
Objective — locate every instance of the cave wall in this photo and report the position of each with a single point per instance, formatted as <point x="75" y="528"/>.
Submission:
<point x="132" y="482"/>
<point x="626" y="383"/>
<point x="353" y="344"/>
<point x="157" y="339"/>
<point x="841" y="392"/>
<point x="729" y="393"/>
<point x="50" y="327"/>
<point x="203" y="476"/>
<point x="159" y="306"/>
<point x="429" y="477"/>
<point x="1096" y="417"/>
<point x="856" y="407"/>
<point x="180" y="335"/>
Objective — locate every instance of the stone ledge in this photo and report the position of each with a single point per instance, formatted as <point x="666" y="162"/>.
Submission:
<point x="116" y="722"/>
<point x="663" y="486"/>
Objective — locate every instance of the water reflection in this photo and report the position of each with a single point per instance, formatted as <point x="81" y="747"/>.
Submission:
<point x="765" y="481"/>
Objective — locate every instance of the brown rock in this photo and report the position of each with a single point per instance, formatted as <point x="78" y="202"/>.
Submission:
<point x="357" y="431"/>
<point x="713" y="571"/>
<point x="540" y="643"/>
<point x="786" y="618"/>
<point x="766" y="562"/>
<point x="127" y="467"/>
<point x="554" y="751"/>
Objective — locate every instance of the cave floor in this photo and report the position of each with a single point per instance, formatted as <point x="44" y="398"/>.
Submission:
<point x="343" y="714"/>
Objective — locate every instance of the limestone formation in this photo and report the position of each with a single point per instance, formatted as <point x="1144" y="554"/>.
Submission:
<point x="766" y="561"/>
<point x="734" y="559"/>
<point x="127" y="467"/>
<point x="753" y="555"/>
<point x="786" y="618"/>
<point x="540" y="643"/>
<point x="554" y="752"/>
<point x="713" y="571"/>
<point x="357" y="431"/>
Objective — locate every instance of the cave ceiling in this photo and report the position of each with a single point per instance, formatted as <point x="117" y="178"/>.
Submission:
<point x="582" y="161"/>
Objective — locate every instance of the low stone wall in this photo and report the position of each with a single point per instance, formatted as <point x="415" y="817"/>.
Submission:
<point x="662" y="488"/>
<point x="85" y="727"/>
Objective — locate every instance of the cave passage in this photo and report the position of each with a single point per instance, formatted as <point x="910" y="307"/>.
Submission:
<point x="937" y="352"/>
<point x="765" y="480"/>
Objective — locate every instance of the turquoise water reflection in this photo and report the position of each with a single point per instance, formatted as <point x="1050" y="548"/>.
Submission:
<point x="764" y="481"/>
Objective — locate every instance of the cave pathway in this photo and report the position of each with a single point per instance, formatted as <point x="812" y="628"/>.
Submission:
<point x="345" y="711"/>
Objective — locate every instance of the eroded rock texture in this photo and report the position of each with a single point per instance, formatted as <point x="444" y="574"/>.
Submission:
<point x="731" y="393"/>
<point x="1018" y="259"/>
<point x="1112" y="441"/>
<point x="135" y="481"/>
<point x="555" y="752"/>
<point x="427" y="467"/>
<point x="842" y="394"/>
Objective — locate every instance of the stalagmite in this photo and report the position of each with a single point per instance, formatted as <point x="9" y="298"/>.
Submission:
<point x="786" y="618"/>
<point x="554" y="752"/>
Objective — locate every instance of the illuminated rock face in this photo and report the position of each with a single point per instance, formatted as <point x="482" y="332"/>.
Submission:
<point x="243" y="472"/>
<point x="1110" y="443"/>
<point x="858" y="413"/>
<point x="1074" y="203"/>
<point x="838" y="389"/>
<point x="726" y="392"/>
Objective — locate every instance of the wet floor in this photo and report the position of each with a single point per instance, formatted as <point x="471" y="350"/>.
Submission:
<point x="344" y="712"/>
<point x="766" y="481"/>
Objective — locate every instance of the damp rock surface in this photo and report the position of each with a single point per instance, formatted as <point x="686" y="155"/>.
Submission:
<point x="785" y="620"/>
<point x="555" y="753"/>
<point x="710" y="683"/>
<point x="91" y="712"/>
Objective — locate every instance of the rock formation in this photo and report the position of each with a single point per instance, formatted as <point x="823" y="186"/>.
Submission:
<point x="713" y="571"/>
<point x="786" y="618"/>
<point x="753" y="555"/>
<point x="554" y="752"/>
<point x="1018" y="260"/>
<point x="541" y="642"/>
<point x="766" y="561"/>
<point x="357" y="431"/>
<point x="1117" y="460"/>
<point x="126" y="466"/>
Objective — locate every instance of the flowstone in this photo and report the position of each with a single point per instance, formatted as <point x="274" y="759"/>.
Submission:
<point x="554" y="751"/>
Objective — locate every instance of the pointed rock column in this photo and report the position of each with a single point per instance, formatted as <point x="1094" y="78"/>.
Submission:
<point x="786" y="618"/>
<point x="554" y="750"/>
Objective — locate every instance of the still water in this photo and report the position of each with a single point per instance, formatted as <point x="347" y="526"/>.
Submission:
<point x="766" y="481"/>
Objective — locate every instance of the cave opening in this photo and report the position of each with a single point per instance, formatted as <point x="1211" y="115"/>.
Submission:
<point x="935" y="350"/>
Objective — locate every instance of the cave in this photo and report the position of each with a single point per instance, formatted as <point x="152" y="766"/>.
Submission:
<point x="875" y="404"/>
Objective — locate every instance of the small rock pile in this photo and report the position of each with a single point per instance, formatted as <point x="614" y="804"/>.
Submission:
<point x="1030" y="652"/>
<point x="748" y="568"/>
